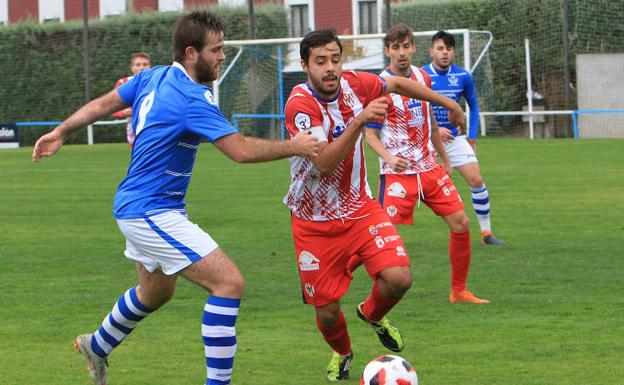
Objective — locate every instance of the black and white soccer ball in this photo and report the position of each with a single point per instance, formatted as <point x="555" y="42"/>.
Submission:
<point x="389" y="370"/>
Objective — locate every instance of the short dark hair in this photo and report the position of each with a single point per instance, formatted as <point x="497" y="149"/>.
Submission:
<point x="398" y="33"/>
<point x="447" y="38"/>
<point x="143" y="55"/>
<point x="190" y="30"/>
<point x="317" y="38"/>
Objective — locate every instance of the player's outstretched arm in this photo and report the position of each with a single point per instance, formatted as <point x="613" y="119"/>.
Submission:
<point x="245" y="149"/>
<point x="415" y="90"/>
<point x="333" y="153"/>
<point x="50" y="143"/>
<point x="374" y="141"/>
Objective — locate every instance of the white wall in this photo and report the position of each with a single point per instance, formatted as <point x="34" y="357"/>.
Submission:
<point x="171" y="5"/>
<point x="599" y="82"/>
<point x="51" y="9"/>
<point x="233" y="3"/>
<point x="112" y="7"/>
<point x="4" y="11"/>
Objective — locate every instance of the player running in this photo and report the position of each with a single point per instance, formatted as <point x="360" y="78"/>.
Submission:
<point x="409" y="169"/>
<point x="174" y="112"/>
<point x="456" y="82"/>
<point x="333" y="213"/>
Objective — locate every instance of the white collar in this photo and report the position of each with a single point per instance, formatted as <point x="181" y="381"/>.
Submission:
<point x="181" y="68"/>
<point x="435" y="70"/>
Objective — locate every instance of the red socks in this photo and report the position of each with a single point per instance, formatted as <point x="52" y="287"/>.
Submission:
<point x="337" y="336"/>
<point x="376" y="305"/>
<point x="459" y="253"/>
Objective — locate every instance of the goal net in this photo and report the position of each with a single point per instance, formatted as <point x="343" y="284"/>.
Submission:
<point x="258" y="75"/>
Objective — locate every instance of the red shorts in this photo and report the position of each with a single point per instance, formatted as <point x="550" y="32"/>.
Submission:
<point x="398" y="193"/>
<point x="324" y="248"/>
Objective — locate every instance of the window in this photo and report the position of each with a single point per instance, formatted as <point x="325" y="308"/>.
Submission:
<point x="51" y="10"/>
<point x="368" y="16"/>
<point x="233" y="3"/>
<point x="112" y="8"/>
<point x="299" y="25"/>
<point x="170" y="5"/>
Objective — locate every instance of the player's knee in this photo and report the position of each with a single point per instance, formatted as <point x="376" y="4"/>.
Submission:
<point x="327" y="317"/>
<point x="475" y="180"/>
<point x="232" y="285"/>
<point x="398" y="283"/>
<point x="460" y="224"/>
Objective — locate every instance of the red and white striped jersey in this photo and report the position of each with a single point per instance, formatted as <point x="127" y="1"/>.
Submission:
<point x="406" y="132"/>
<point x="122" y="113"/>
<point x="317" y="197"/>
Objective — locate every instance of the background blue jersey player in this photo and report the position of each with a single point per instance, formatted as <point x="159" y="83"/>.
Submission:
<point x="455" y="82"/>
<point x="173" y="112"/>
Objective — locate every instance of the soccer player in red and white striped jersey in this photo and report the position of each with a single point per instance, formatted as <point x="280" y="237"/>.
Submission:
<point x="333" y="213"/>
<point x="138" y="62"/>
<point x="409" y="170"/>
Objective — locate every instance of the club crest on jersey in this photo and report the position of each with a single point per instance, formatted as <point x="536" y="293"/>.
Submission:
<point x="373" y="230"/>
<point x="302" y="121"/>
<point x="396" y="189"/>
<point x="453" y="80"/>
<point x="348" y="99"/>
<point x="400" y="251"/>
<point x="309" y="288"/>
<point x="392" y="211"/>
<point x="308" y="262"/>
<point x="210" y="98"/>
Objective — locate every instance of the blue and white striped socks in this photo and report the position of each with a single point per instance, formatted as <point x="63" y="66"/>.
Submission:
<point x="481" y="205"/>
<point x="120" y="322"/>
<point x="219" y="335"/>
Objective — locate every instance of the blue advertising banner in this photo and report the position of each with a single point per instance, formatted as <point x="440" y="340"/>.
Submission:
<point x="9" y="135"/>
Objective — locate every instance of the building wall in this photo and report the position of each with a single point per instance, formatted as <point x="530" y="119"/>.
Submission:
<point x="22" y="9"/>
<point x="335" y="14"/>
<point x="145" y="5"/>
<point x="73" y="9"/>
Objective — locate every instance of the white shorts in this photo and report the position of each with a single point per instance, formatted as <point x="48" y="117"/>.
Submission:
<point x="168" y="241"/>
<point x="460" y="152"/>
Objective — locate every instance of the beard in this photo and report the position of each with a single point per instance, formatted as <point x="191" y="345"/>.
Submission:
<point x="205" y="71"/>
<point x="327" y="91"/>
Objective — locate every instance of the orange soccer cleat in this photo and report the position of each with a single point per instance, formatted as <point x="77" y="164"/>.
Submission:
<point x="465" y="296"/>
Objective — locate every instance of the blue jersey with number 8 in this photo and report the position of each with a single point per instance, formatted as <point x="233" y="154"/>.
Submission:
<point x="171" y="115"/>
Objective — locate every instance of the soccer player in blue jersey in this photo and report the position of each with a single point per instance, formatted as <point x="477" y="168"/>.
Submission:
<point x="174" y="111"/>
<point x="455" y="82"/>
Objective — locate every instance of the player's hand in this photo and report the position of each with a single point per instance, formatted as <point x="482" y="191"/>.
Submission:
<point x="446" y="135"/>
<point x="306" y="145"/>
<point x="397" y="164"/>
<point x="128" y="112"/>
<point x="48" y="145"/>
<point x="473" y="144"/>
<point x="375" y="111"/>
<point x="448" y="167"/>
<point x="457" y="118"/>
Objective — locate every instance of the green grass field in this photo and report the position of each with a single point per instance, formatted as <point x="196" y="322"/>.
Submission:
<point x="557" y="315"/>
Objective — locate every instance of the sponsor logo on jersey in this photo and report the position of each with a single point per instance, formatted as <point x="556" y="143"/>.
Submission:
<point x="453" y="80"/>
<point x="309" y="288"/>
<point x="307" y="261"/>
<point x="415" y="107"/>
<point x="302" y="121"/>
<point x="391" y="238"/>
<point x="392" y="211"/>
<point x="373" y="230"/>
<point x="396" y="189"/>
<point x="446" y="191"/>
<point x="400" y="251"/>
<point x="379" y="242"/>
<point x="210" y="98"/>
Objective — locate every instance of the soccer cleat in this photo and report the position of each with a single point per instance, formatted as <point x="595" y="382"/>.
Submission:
<point x="489" y="239"/>
<point x="97" y="365"/>
<point x="338" y="368"/>
<point x="465" y="296"/>
<point x="388" y="334"/>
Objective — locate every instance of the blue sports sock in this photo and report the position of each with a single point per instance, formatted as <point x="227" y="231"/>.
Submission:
<point x="219" y="335"/>
<point x="481" y="205"/>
